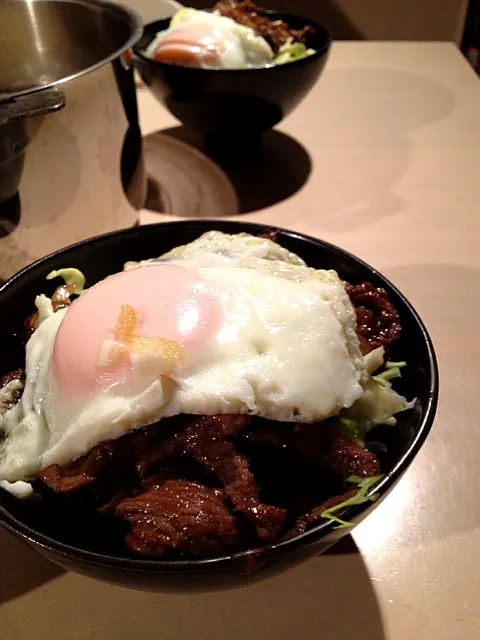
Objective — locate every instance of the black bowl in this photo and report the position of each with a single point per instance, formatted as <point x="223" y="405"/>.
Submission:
<point x="81" y="549"/>
<point x="234" y="103"/>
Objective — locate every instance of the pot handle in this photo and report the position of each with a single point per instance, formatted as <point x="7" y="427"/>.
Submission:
<point x="31" y="104"/>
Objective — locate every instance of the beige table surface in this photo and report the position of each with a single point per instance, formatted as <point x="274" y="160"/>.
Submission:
<point x="383" y="159"/>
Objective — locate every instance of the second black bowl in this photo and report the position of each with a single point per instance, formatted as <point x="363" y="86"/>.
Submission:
<point x="238" y="102"/>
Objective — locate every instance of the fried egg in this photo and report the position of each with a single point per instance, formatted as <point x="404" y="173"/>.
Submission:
<point x="225" y="324"/>
<point x="203" y="39"/>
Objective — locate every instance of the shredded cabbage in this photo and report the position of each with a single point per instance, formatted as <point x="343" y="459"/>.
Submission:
<point x="292" y="51"/>
<point x="392" y="371"/>
<point x="395" y="365"/>
<point x="364" y="485"/>
<point x="354" y="428"/>
<point x="374" y="359"/>
<point x="379" y="402"/>
<point x="72" y="277"/>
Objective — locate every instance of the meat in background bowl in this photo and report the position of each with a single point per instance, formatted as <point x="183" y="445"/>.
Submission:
<point x="234" y="102"/>
<point x="88" y="543"/>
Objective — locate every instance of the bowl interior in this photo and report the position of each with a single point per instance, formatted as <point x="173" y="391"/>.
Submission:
<point x="104" y="255"/>
<point x="320" y="40"/>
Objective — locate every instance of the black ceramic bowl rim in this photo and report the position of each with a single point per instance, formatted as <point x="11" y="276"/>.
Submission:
<point x="320" y="29"/>
<point x="177" y="566"/>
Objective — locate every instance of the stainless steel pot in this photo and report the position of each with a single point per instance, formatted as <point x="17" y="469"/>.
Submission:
<point x="70" y="143"/>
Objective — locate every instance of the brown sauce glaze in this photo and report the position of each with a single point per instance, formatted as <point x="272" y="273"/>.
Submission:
<point x="378" y="322"/>
<point x="275" y="32"/>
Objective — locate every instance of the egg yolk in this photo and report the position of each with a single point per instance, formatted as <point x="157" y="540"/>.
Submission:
<point x="159" y="310"/>
<point x="193" y="46"/>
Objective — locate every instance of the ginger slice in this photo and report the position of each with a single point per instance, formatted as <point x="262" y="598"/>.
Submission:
<point x="167" y="350"/>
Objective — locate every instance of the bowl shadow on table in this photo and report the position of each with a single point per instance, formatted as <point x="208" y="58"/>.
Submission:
<point x="258" y="177"/>
<point x="330" y="596"/>
<point x="23" y="569"/>
<point x="358" y="168"/>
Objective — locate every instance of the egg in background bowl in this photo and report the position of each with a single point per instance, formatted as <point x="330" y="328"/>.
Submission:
<point x="201" y="39"/>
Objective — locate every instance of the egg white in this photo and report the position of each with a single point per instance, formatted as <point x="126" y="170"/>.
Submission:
<point x="287" y="350"/>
